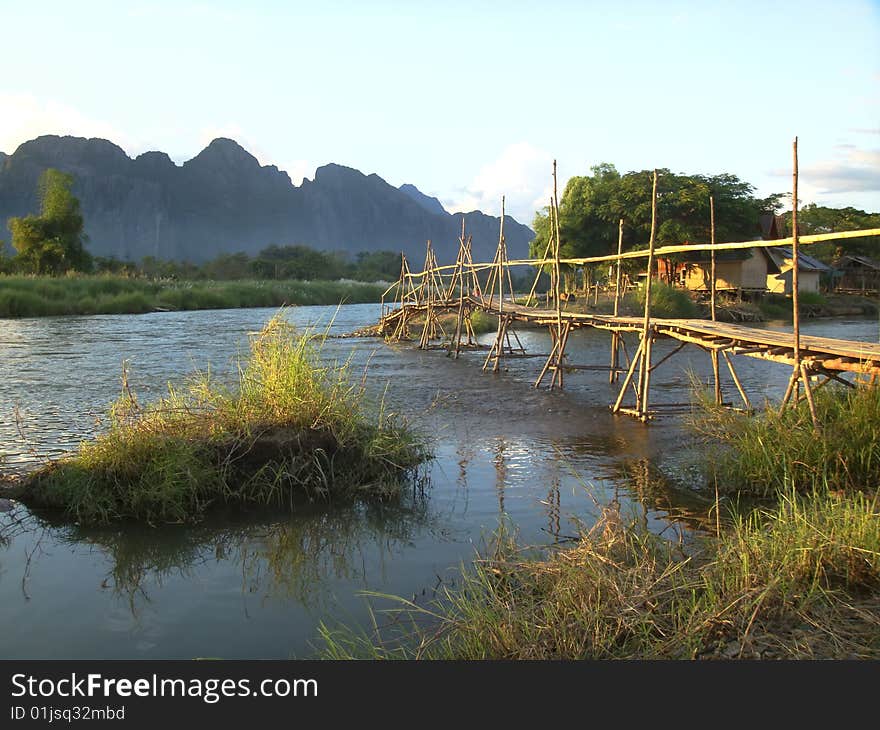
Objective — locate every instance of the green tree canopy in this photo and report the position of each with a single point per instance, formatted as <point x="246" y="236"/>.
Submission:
<point x="52" y="242"/>
<point x="814" y="218"/>
<point x="592" y="205"/>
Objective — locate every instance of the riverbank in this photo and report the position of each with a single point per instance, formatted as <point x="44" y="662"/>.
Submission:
<point x="32" y="296"/>
<point x="797" y="576"/>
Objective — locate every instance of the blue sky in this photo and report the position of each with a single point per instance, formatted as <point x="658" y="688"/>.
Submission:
<point x="467" y="100"/>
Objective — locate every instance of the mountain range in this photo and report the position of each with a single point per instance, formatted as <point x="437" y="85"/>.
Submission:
<point x="224" y="201"/>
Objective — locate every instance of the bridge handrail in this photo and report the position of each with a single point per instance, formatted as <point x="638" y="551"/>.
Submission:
<point x="661" y="251"/>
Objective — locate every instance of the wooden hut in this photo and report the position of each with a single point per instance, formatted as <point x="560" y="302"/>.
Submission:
<point x="779" y="271"/>
<point x="857" y="274"/>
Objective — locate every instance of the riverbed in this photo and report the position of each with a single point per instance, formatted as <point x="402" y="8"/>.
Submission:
<point x="259" y="584"/>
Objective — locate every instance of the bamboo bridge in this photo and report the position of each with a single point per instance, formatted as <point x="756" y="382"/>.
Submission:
<point x="418" y="303"/>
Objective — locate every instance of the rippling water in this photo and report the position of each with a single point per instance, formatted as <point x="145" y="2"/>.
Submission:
<point x="258" y="585"/>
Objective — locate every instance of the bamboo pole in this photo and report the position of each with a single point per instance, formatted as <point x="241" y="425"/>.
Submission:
<point x="712" y="239"/>
<point x="691" y="247"/>
<point x="800" y="367"/>
<point x="677" y="248"/>
<point x="543" y="258"/>
<point x="615" y="336"/>
<point x="644" y="372"/>
<point x="502" y="321"/>
<point x="556" y="269"/>
<point x="713" y="288"/>
<point x="795" y="260"/>
<point x="717" y="375"/>
<point x="808" y="391"/>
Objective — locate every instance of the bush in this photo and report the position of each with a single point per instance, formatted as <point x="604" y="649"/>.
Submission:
<point x="666" y="301"/>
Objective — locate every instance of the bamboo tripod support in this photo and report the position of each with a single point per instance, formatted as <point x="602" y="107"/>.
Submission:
<point x="432" y="293"/>
<point x="499" y="276"/>
<point x="463" y="280"/>
<point x="558" y="332"/>
<point x="408" y="294"/>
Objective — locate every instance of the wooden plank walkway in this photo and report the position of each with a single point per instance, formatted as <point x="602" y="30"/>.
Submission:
<point x="821" y="353"/>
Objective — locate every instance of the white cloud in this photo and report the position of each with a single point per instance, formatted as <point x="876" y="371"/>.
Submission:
<point x="852" y="170"/>
<point x="522" y="173"/>
<point x="26" y="116"/>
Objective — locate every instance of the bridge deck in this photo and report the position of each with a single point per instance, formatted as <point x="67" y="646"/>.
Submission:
<point x="820" y="353"/>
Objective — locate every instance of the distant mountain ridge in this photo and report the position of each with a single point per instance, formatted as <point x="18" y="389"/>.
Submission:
<point x="224" y="201"/>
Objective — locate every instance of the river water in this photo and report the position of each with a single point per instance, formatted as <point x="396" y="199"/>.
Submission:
<point x="259" y="585"/>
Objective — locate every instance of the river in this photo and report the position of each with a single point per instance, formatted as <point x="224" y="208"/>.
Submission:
<point x="258" y="585"/>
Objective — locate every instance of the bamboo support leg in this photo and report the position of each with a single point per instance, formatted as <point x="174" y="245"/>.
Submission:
<point x="646" y="383"/>
<point x="717" y="376"/>
<point x="558" y="373"/>
<point x="614" y="357"/>
<point x="736" y="381"/>
<point x="629" y="376"/>
<point x="455" y="344"/>
<point x="549" y="357"/>
<point x="789" y="390"/>
<point x="808" y="392"/>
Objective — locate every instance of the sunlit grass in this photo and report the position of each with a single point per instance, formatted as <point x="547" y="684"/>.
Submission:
<point x="796" y="580"/>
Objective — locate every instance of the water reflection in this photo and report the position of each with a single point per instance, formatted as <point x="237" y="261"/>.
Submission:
<point x="257" y="585"/>
<point x="278" y="558"/>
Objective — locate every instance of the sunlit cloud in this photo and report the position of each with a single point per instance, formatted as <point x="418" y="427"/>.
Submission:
<point x="26" y="116"/>
<point x="521" y="173"/>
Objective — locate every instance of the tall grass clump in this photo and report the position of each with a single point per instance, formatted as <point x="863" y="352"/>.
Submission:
<point x="666" y="301"/>
<point x="795" y="581"/>
<point x="773" y="450"/>
<point x="294" y="428"/>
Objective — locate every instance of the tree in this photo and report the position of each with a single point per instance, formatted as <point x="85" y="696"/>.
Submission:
<point x="52" y="242"/>
<point x="592" y="205"/>
<point x="814" y="218"/>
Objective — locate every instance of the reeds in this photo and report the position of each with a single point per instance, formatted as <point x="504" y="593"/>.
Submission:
<point x="796" y="581"/>
<point x="294" y="428"/>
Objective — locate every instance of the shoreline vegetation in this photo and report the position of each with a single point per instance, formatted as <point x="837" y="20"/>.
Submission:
<point x="23" y="295"/>
<point x="44" y="296"/>
<point x="295" y="428"/>
<point x="791" y="569"/>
